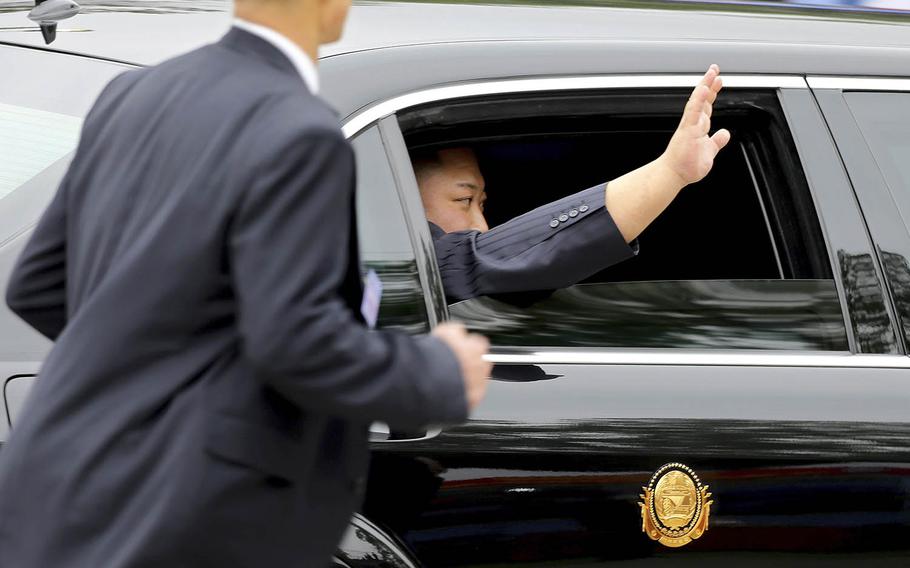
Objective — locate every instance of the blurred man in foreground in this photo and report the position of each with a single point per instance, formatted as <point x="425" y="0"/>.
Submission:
<point x="208" y="397"/>
<point x="566" y="241"/>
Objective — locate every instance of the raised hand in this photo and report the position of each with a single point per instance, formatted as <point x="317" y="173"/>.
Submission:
<point x="691" y="151"/>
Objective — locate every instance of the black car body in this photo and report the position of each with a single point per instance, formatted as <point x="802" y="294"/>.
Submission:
<point x="759" y="339"/>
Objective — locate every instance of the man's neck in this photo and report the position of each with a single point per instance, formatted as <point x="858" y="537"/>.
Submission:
<point x="291" y="20"/>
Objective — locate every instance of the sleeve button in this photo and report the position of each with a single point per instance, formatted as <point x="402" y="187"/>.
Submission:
<point x="573" y="213"/>
<point x="563" y="218"/>
<point x="583" y="208"/>
<point x="554" y="223"/>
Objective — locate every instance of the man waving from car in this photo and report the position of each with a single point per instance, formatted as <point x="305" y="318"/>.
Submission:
<point x="565" y="241"/>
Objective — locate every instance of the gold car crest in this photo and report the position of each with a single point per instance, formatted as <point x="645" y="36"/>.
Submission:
<point x="675" y="506"/>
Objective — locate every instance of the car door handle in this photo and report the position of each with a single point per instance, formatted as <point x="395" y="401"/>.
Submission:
<point x="380" y="432"/>
<point x="512" y="373"/>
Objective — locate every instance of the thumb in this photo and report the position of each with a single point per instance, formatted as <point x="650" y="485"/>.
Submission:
<point x="720" y="139"/>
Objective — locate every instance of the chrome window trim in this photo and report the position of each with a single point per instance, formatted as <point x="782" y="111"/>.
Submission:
<point x="364" y="118"/>
<point x="860" y="83"/>
<point x="700" y="358"/>
<point x="387" y="135"/>
<point x="764" y="210"/>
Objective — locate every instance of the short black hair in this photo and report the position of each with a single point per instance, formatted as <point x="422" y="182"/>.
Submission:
<point x="425" y="160"/>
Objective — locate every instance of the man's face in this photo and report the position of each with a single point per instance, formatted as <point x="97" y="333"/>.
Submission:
<point x="452" y="191"/>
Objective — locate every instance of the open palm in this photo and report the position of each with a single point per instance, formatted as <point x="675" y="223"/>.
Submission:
<point x="691" y="150"/>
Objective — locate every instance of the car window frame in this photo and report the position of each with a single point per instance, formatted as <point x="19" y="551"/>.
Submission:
<point x="806" y="126"/>
<point x="421" y="239"/>
<point x="887" y="228"/>
<point x="404" y="205"/>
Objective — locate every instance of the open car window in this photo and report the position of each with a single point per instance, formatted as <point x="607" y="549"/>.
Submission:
<point x="737" y="261"/>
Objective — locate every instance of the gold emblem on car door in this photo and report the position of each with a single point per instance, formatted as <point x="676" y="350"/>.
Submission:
<point x="675" y="506"/>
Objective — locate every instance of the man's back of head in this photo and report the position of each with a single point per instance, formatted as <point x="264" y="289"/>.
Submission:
<point x="308" y="23"/>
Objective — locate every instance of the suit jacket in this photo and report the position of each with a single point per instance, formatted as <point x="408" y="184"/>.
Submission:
<point x="553" y="246"/>
<point x="208" y="397"/>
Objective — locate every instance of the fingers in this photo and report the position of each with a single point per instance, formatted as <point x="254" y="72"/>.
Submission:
<point x="449" y="331"/>
<point x="717" y="85"/>
<point x="708" y="79"/>
<point x="480" y="343"/>
<point x="713" y="90"/>
<point x="720" y="139"/>
<point x="469" y="349"/>
<point x="476" y="369"/>
<point x="696" y="106"/>
<point x="711" y="79"/>
<point x="703" y="97"/>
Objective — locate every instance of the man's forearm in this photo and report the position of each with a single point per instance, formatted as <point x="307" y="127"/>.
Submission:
<point x="635" y="199"/>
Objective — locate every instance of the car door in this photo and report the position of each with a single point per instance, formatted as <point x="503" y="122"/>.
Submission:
<point x="793" y="431"/>
<point x="44" y="98"/>
<point x="398" y="251"/>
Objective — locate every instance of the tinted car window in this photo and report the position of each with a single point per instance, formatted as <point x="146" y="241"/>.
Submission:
<point x="385" y="244"/>
<point x="44" y="98"/>
<point x="884" y="119"/>
<point x="30" y="141"/>
<point x="737" y="261"/>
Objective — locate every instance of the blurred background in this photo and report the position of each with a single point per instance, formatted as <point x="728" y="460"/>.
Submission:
<point x="855" y="4"/>
<point x="883" y="5"/>
<point x="187" y="5"/>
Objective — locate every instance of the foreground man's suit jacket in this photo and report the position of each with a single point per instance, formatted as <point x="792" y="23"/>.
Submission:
<point x="208" y="397"/>
<point x="551" y="247"/>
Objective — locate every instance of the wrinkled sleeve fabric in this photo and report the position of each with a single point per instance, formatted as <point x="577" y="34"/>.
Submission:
<point x="36" y="291"/>
<point x="288" y="253"/>
<point x="551" y="247"/>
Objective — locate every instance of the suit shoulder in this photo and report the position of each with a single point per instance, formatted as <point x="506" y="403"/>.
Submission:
<point x="299" y="114"/>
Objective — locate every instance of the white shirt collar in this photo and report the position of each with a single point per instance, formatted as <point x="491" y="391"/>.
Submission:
<point x="302" y="62"/>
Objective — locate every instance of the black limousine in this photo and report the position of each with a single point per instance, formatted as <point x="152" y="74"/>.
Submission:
<point x="738" y="394"/>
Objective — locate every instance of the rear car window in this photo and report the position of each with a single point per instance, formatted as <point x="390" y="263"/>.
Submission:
<point x="884" y="119"/>
<point x="32" y="140"/>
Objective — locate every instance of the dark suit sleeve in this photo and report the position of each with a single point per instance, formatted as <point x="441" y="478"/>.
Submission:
<point x="36" y="291"/>
<point x="551" y="247"/>
<point x="37" y="288"/>
<point x="289" y="252"/>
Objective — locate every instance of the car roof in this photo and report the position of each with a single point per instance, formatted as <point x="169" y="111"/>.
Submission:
<point x="391" y="48"/>
<point x="145" y="32"/>
<point x="497" y="42"/>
